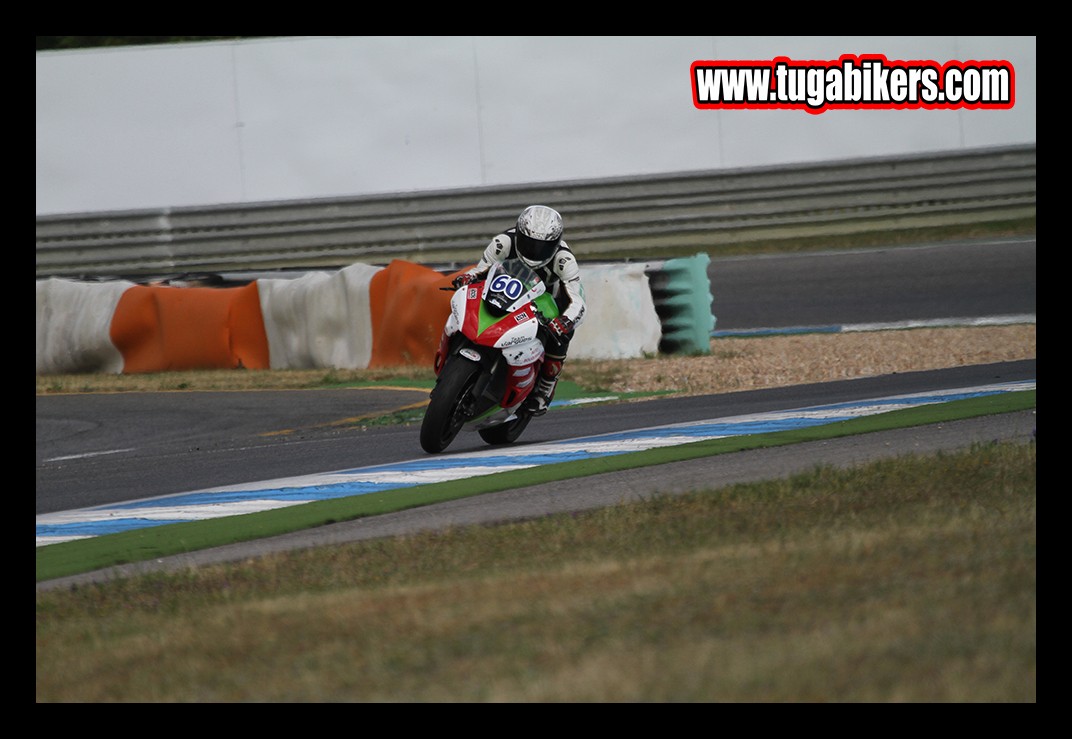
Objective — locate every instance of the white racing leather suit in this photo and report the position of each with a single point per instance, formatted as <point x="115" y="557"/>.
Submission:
<point x="562" y="276"/>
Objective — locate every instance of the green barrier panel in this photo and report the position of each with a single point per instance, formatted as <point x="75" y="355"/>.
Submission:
<point x="681" y="292"/>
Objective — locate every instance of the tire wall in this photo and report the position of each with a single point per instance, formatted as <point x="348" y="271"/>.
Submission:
<point x="358" y="317"/>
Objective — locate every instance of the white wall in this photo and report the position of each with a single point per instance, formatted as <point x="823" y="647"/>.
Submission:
<point x="308" y="117"/>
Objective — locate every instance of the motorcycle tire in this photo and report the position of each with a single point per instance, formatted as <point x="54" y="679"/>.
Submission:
<point x="442" y="421"/>
<point x="506" y="433"/>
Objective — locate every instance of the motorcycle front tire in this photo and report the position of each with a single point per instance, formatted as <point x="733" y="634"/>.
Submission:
<point x="442" y="422"/>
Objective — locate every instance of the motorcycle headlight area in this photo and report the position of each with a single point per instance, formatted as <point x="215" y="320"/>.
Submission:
<point x="497" y="304"/>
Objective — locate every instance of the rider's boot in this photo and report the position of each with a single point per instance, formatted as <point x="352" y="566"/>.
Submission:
<point x="545" y="387"/>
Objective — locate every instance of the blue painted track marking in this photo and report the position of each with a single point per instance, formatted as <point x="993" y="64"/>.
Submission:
<point x="254" y="497"/>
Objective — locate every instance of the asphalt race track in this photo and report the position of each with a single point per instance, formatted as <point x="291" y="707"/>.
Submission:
<point x="921" y="283"/>
<point x="96" y="449"/>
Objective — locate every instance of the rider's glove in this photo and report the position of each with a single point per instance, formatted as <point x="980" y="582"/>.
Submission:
<point x="463" y="279"/>
<point x="560" y="326"/>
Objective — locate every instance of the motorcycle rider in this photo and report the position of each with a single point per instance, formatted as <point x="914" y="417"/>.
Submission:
<point x="536" y="239"/>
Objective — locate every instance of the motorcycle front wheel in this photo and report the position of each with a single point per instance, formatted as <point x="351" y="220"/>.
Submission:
<point x="444" y="418"/>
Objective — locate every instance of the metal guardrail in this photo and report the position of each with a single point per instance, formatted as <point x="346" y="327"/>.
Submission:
<point x="692" y="210"/>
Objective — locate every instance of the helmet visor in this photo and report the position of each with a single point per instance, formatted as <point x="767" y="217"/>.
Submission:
<point x="535" y="250"/>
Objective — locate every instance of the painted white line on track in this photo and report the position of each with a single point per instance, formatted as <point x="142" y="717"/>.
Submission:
<point x="88" y="454"/>
<point x="1008" y="320"/>
<point x="253" y="497"/>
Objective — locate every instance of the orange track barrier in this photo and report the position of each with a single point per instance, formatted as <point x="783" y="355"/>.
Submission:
<point x="157" y="329"/>
<point x="408" y="312"/>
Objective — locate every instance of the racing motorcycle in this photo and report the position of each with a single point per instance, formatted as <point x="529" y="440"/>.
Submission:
<point x="489" y="357"/>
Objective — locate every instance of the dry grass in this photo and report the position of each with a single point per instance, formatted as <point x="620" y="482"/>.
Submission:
<point x="906" y="580"/>
<point x="222" y="379"/>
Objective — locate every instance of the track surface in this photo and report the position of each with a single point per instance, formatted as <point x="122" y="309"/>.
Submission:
<point x="919" y="283"/>
<point x="95" y="449"/>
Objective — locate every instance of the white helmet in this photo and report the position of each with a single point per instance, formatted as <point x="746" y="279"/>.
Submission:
<point x="539" y="229"/>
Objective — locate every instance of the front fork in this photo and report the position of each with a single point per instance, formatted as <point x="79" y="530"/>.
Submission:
<point x="441" y="353"/>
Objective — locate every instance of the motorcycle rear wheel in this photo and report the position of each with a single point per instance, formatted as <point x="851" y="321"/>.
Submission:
<point x="442" y="418"/>
<point x="506" y="433"/>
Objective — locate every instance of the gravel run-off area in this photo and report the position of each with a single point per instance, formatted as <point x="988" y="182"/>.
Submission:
<point x="773" y="361"/>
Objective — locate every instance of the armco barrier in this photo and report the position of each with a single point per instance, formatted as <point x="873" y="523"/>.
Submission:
<point x="693" y="211"/>
<point x="359" y="317"/>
